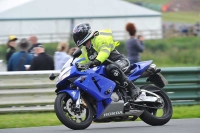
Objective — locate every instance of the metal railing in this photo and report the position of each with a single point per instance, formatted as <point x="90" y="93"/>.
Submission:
<point x="33" y="91"/>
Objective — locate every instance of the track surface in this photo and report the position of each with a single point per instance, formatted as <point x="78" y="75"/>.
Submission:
<point x="174" y="126"/>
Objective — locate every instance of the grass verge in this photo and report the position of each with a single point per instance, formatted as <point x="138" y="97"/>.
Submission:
<point x="182" y="17"/>
<point x="19" y="120"/>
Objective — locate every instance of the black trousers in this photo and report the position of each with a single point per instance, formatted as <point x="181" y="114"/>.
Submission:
<point x="115" y="73"/>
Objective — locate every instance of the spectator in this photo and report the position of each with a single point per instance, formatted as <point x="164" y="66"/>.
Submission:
<point x="196" y="29"/>
<point x="61" y="56"/>
<point x="21" y="58"/>
<point x="11" y="44"/>
<point x="34" y="41"/>
<point x="134" y="46"/>
<point x="184" y="30"/>
<point x="42" y="61"/>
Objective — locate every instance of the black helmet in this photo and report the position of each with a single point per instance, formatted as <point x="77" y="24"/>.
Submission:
<point x="82" y="33"/>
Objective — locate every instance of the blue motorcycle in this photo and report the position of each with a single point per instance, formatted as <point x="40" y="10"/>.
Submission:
<point x="87" y="95"/>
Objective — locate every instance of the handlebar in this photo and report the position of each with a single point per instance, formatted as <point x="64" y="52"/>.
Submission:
<point x="81" y="66"/>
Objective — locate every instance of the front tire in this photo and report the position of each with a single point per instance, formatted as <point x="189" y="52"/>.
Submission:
<point x="68" y="115"/>
<point x="149" y="115"/>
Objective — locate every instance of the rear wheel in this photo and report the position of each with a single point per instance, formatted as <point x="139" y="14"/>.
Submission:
<point x="159" y="116"/>
<point x="69" y="115"/>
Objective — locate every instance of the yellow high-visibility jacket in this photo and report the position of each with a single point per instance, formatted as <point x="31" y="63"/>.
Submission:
<point x="103" y="44"/>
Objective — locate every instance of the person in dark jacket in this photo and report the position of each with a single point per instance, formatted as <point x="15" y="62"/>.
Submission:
<point x="134" y="45"/>
<point x="34" y="41"/>
<point x="11" y="44"/>
<point x="19" y="59"/>
<point x="42" y="61"/>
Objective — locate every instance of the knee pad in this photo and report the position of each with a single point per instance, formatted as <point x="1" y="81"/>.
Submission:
<point x="113" y="72"/>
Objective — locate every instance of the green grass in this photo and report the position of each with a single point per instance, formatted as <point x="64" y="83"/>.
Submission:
<point x="28" y="120"/>
<point x="186" y="112"/>
<point x="182" y="17"/>
<point x="50" y="119"/>
<point x="171" y="52"/>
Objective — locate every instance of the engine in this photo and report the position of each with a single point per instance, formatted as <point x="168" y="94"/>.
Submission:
<point x="115" y="97"/>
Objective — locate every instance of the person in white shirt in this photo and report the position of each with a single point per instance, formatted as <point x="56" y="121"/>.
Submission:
<point x="61" y="56"/>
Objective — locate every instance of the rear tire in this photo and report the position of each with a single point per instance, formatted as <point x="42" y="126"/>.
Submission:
<point x="64" y="115"/>
<point x="149" y="117"/>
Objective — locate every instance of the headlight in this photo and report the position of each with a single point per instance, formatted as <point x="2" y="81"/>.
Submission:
<point x="64" y="73"/>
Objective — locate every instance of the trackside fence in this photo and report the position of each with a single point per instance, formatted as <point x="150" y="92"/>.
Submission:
<point x="32" y="90"/>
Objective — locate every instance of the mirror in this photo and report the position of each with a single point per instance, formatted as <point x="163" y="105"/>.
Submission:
<point x="77" y="53"/>
<point x="52" y="76"/>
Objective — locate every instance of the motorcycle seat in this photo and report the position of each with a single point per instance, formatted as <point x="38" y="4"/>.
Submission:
<point x="130" y="70"/>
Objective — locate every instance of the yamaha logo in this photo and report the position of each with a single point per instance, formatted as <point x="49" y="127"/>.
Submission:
<point x="113" y="113"/>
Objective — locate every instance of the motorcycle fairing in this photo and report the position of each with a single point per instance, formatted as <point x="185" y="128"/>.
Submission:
<point x="99" y="87"/>
<point x="139" y="68"/>
<point x="101" y="106"/>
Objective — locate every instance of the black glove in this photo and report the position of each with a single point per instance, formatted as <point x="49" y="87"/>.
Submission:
<point x="94" y="63"/>
<point x="81" y="66"/>
<point x="88" y="65"/>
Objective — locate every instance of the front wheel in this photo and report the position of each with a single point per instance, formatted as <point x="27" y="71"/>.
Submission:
<point x="161" y="116"/>
<point x="69" y="115"/>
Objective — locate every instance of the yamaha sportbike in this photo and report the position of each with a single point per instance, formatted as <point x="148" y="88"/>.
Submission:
<point x="87" y="95"/>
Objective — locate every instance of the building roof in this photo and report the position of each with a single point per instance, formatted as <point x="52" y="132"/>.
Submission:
<point x="68" y="9"/>
<point x="9" y="4"/>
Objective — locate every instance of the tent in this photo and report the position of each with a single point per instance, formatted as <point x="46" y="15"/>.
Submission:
<point x="53" y="20"/>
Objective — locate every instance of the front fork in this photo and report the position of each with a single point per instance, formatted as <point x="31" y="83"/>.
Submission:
<point x="78" y="101"/>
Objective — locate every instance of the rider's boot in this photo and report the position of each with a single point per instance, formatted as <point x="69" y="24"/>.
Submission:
<point x="133" y="91"/>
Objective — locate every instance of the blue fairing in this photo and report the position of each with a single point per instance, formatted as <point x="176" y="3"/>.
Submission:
<point x="94" y="82"/>
<point x="96" y="85"/>
<point x="139" y="68"/>
<point x="101" y="106"/>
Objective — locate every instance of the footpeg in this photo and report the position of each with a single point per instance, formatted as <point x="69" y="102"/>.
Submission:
<point x="144" y="98"/>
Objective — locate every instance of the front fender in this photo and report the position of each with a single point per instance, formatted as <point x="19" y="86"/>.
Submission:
<point x="74" y="94"/>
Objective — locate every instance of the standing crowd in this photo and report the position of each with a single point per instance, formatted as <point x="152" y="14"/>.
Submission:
<point x="29" y="55"/>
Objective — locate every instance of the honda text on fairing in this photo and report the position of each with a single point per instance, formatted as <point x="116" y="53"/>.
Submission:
<point x="88" y="95"/>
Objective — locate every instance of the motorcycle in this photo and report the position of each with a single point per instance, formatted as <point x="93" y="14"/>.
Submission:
<point x="85" y="95"/>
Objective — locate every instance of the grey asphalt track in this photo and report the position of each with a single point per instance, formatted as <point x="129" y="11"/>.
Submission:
<point x="174" y="126"/>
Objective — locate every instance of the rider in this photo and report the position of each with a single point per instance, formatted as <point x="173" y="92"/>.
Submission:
<point x="99" y="48"/>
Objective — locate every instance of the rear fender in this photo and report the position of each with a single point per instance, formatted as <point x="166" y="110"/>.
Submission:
<point x="158" y="80"/>
<point x="150" y="88"/>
